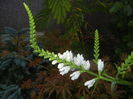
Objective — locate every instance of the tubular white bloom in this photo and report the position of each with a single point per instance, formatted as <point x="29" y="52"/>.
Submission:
<point x="54" y="62"/>
<point x="79" y="60"/>
<point x="64" y="70"/>
<point x="75" y="75"/>
<point x="69" y="56"/>
<point x="60" y="65"/>
<point x="86" y="65"/>
<point x="90" y="83"/>
<point x="100" y="65"/>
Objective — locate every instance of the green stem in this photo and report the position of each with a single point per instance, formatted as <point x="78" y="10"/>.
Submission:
<point x="104" y="74"/>
<point x="122" y="82"/>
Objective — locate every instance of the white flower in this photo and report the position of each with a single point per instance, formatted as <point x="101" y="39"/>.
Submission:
<point x="100" y="65"/>
<point x="69" y="56"/>
<point x="60" y="65"/>
<point x="54" y="62"/>
<point x="66" y="55"/>
<point x="64" y="70"/>
<point x="86" y="65"/>
<point x="79" y="60"/>
<point x="90" y="83"/>
<point x="75" y="75"/>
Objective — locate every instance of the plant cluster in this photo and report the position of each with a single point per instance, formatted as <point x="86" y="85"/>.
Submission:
<point x="66" y="60"/>
<point x="32" y="77"/>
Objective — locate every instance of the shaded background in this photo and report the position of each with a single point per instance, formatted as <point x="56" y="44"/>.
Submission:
<point x="12" y="13"/>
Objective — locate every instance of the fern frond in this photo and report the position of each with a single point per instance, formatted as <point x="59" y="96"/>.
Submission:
<point x="96" y="47"/>
<point x="59" y="9"/>
<point x="125" y="66"/>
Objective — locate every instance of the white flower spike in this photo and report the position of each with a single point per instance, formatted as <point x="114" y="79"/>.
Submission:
<point x="78" y="60"/>
<point x="100" y="65"/>
<point x="90" y="83"/>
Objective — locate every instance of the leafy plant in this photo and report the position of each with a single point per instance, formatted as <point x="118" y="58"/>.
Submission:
<point x="122" y="24"/>
<point x="125" y="66"/>
<point x="13" y="67"/>
<point x="10" y="92"/>
<point x="15" y="40"/>
<point x="59" y="9"/>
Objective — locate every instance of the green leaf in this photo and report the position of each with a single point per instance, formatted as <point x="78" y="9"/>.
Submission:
<point x="116" y="7"/>
<point x="130" y="23"/>
<point x="128" y="10"/>
<point x="59" y="9"/>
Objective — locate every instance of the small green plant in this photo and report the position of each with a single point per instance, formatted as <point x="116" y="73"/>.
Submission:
<point x="67" y="62"/>
<point x="13" y="67"/>
<point x="125" y="66"/>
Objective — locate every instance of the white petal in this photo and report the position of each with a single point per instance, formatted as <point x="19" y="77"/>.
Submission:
<point x="67" y="69"/>
<point x="60" y="65"/>
<point x="68" y="58"/>
<point x="75" y="75"/>
<point x="54" y="62"/>
<point x="59" y="54"/>
<point x="100" y="65"/>
<point x="62" y="73"/>
<point x="64" y="70"/>
<point x="77" y="61"/>
<point x="90" y="83"/>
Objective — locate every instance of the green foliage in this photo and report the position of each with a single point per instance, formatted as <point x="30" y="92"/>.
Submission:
<point x="125" y="66"/>
<point x="122" y="24"/>
<point x="116" y="7"/>
<point x="74" y="21"/>
<point x="83" y="97"/>
<point x="13" y="68"/>
<point x="14" y="40"/>
<point x="5" y="61"/>
<point x="124" y="6"/>
<point x="130" y="23"/>
<point x="96" y="47"/>
<point x="10" y="92"/>
<point x="59" y="9"/>
<point x="42" y="19"/>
